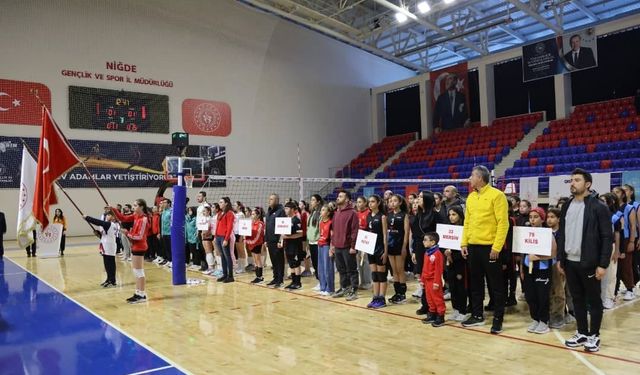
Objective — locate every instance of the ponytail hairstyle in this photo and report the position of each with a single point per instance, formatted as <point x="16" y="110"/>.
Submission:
<point x="259" y="213"/>
<point x="315" y="214"/>
<point x="330" y="209"/>
<point x="381" y="206"/>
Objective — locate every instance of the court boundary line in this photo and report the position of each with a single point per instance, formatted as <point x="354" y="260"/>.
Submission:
<point x="154" y="352"/>
<point x="151" y="370"/>
<point x="452" y="325"/>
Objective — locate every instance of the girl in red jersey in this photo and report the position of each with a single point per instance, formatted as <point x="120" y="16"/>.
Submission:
<point x="254" y="242"/>
<point x="138" y="238"/>
<point x="224" y="232"/>
<point x="326" y="268"/>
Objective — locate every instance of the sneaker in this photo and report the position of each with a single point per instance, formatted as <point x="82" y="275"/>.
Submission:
<point x="417" y="293"/>
<point x="496" y="327"/>
<point x="608" y="304"/>
<point x="593" y="344"/>
<point x="576" y="340"/>
<point x="296" y="286"/>
<point x="104" y="283"/>
<point x="352" y="295"/>
<point x="380" y="303"/>
<point x="460" y="317"/>
<point x="438" y="322"/>
<point x="272" y="282"/>
<point x="429" y="319"/>
<point x="532" y="327"/>
<point x="257" y="280"/>
<point x="422" y="311"/>
<point x="278" y="285"/>
<point x="401" y="299"/>
<point x="324" y="293"/>
<point x="208" y="272"/>
<point x="221" y="278"/>
<point x="393" y="298"/>
<point x="338" y="293"/>
<point x="289" y="286"/>
<point x="250" y="268"/>
<point x="542" y="328"/>
<point x="163" y="262"/>
<point x="628" y="296"/>
<point x="239" y="270"/>
<point x="372" y="303"/>
<point x="109" y="285"/>
<point x="229" y="279"/>
<point x="217" y="273"/>
<point x="473" y="321"/>
<point x="447" y="297"/>
<point x="316" y="288"/>
<point x="129" y="259"/>
<point x="136" y="299"/>
<point x="556" y="324"/>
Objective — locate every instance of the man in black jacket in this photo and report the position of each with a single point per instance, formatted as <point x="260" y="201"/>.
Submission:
<point x="271" y="239"/>
<point x="584" y="250"/>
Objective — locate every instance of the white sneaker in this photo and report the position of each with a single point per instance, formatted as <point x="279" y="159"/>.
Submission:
<point x="316" y="288"/>
<point x="447" y="296"/>
<point x="454" y="315"/>
<point x="208" y="271"/>
<point x="418" y="292"/>
<point x="461" y="317"/>
<point x="239" y="270"/>
<point x="629" y="296"/>
<point x="169" y="265"/>
<point x="608" y="303"/>
<point x="532" y="327"/>
<point x="325" y="294"/>
<point x="157" y="260"/>
<point x="542" y="328"/>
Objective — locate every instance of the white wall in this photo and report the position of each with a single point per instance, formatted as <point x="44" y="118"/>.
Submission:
<point x="285" y="84"/>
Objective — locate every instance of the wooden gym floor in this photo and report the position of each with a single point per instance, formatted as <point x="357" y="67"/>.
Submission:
<point x="240" y="328"/>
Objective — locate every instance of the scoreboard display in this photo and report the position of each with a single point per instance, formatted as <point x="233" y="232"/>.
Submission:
<point x="112" y="110"/>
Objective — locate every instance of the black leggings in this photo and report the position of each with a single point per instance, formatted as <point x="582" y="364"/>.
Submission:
<point x="313" y="249"/>
<point x="110" y="267"/>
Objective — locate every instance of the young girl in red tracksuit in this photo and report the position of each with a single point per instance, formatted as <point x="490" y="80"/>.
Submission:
<point x="431" y="278"/>
<point x="254" y="242"/>
<point x="138" y="237"/>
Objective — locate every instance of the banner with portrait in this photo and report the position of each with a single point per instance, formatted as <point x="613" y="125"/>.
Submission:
<point x="560" y="54"/>
<point x="450" y="97"/>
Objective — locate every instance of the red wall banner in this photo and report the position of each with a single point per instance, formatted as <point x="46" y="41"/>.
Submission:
<point x="18" y="103"/>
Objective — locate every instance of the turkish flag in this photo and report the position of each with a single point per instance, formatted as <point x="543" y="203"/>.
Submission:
<point x="55" y="157"/>
<point x="18" y="102"/>
<point x="206" y="117"/>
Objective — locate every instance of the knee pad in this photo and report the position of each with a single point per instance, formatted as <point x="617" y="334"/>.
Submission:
<point x="138" y="272"/>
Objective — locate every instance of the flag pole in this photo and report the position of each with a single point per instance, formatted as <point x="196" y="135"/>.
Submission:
<point x="30" y="151"/>
<point x="95" y="183"/>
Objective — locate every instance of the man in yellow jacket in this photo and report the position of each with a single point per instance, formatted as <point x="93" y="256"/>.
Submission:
<point x="485" y="231"/>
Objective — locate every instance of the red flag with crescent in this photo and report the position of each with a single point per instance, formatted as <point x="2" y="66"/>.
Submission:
<point x="55" y="157"/>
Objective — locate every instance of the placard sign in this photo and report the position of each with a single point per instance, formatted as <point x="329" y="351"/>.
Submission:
<point x="366" y="241"/>
<point x="202" y="222"/>
<point x="244" y="227"/>
<point x="450" y="236"/>
<point x="283" y="225"/>
<point x="527" y="240"/>
<point x="48" y="241"/>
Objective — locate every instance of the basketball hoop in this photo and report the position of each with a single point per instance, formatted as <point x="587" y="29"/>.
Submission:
<point x="188" y="181"/>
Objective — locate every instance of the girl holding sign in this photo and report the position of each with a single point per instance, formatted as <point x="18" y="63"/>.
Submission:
<point x="377" y="223"/>
<point x="457" y="272"/>
<point x="397" y="242"/>
<point x="536" y="279"/>
<point x="254" y="242"/>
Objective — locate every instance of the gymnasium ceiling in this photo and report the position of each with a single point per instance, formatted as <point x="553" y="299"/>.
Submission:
<point x="451" y="31"/>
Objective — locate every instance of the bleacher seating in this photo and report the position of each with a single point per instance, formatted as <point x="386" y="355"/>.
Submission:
<point x="452" y="154"/>
<point x="599" y="137"/>
<point x="374" y="155"/>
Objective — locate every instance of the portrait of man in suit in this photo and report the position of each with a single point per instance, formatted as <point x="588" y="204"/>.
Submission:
<point x="579" y="57"/>
<point x="450" y="111"/>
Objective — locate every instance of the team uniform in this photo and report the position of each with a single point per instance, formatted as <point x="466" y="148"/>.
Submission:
<point x="374" y="225"/>
<point x="294" y="251"/>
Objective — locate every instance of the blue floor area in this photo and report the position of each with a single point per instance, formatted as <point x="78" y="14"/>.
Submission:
<point x="44" y="332"/>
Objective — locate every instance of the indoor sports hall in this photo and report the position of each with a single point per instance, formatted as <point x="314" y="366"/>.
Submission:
<point x="319" y="187"/>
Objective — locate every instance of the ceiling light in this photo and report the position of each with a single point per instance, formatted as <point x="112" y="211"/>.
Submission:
<point x="423" y="7"/>
<point x="449" y="1"/>
<point x="401" y="17"/>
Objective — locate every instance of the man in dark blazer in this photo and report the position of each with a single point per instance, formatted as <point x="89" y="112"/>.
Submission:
<point x="3" y="230"/>
<point x="579" y="57"/>
<point x="451" y="107"/>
